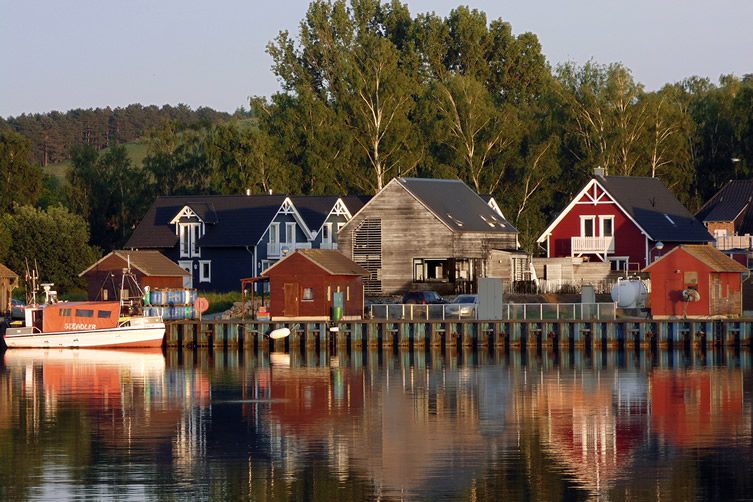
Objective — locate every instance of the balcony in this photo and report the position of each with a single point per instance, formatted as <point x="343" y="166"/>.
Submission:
<point x="591" y="245"/>
<point x="723" y="243"/>
<point x="328" y="245"/>
<point x="279" y="249"/>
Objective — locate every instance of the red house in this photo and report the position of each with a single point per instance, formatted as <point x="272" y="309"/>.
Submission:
<point x="303" y="285"/>
<point x="696" y="281"/>
<point x="623" y="220"/>
<point x="150" y="267"/>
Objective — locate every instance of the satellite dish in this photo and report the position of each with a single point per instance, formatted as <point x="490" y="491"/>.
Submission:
<point x="691" y="295"/>
<point x="279" y="333"/>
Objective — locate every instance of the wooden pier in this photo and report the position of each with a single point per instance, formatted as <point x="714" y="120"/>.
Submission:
<point x="418" y="335"/>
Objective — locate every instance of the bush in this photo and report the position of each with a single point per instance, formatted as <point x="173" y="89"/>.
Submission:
<point x="220" y="302"/>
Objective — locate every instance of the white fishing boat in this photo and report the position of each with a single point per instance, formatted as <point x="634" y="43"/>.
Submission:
<point x="89" y="324"/>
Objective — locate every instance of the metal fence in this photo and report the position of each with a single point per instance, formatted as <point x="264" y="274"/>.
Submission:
<point x="510" y="311"/>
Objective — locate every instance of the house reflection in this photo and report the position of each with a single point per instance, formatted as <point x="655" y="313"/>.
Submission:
<point x="590" y="424"/>
<point x="699" y="408"/>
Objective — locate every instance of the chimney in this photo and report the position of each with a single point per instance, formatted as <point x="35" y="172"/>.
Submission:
<point x="270" y="191"/>
<point x="599" y="171"/>
<point x="248" y="191"/>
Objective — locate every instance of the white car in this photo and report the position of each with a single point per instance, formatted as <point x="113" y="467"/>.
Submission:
<point x="462" y="306"/>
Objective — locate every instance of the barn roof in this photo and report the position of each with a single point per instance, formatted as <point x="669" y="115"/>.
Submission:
<point x="6" y="272"/>
<point x="709" y="255"/>
<point x="456" y="205"/>
<point x="148" y="262"/>
<point x="331" y="261"/>
<point x="733" y="199"/>
<point x="655" y="209"/>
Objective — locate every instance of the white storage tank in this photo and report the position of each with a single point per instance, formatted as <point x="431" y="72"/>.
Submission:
<point x="630" y="293"/>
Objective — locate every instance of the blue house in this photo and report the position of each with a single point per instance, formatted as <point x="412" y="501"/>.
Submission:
<point x="220" y="239"/>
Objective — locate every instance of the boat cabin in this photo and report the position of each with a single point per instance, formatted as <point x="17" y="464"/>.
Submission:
<point x="73" y="316"/>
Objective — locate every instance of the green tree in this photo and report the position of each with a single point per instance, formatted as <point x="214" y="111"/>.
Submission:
<point x="55" y="239"/>
<point x="21" y="178"/>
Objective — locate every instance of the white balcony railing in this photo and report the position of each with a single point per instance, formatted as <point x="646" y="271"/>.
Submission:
<point x="328" y="245"/>
<point x="726" y="242"/>
<point x="580" y="245"/>
<point x="278" y="249"/>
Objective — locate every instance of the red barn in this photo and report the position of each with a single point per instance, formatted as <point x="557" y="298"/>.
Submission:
<point x="151" y="268"/>
<point x="621" y="219"/>
<point x="696" y="281"/>
<point x="302" y="285"/>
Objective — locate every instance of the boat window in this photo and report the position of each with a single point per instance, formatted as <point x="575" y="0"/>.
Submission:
<point x="84" y="313"/>
<point x="66" y="312"/>
<point x="104" y="314"/>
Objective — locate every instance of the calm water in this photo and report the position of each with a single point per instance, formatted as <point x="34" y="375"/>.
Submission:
<point x="374" y="425"/>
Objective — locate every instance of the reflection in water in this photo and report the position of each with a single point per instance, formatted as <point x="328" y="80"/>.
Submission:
<point x="355" y="426"/>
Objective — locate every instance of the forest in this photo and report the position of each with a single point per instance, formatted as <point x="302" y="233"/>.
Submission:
<point x="368" y="92"/>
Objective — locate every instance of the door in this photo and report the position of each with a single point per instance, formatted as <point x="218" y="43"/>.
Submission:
<point x="290" y="308"/>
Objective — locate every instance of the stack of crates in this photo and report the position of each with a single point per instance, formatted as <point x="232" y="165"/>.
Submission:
<point x="171" y="304"/>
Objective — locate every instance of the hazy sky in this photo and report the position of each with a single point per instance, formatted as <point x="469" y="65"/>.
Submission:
<point x="58" y="55"/>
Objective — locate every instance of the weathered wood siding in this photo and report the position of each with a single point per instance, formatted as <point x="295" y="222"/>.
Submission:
<point x="409" y="231"/>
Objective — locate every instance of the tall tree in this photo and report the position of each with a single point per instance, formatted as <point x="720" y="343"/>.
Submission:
<point x="21" y="178"/>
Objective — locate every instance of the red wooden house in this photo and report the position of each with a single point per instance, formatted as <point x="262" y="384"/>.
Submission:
<point x="302" y="286"/>
<point x="696" y="281"/>
<point x="622" y="219"/>
<point x="150" y="267"/>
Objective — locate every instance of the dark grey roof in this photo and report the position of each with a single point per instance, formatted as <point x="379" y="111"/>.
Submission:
<point x="354" y="203"/>
<point x="314" y="209"/>
<point x="655" y="209"/>
<point x="239" y="220"/>
<point x="726" y="205"/>
<point x="457" y="205"/>
<point x="205" y="211"/>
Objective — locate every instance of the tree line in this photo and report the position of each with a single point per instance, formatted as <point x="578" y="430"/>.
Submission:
<point x="370" y="92"/>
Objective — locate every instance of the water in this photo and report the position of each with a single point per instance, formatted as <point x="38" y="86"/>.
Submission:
<point x="92" y="425"/>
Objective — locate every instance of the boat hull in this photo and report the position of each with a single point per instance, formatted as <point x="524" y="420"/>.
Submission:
<point x="125" y="337"/>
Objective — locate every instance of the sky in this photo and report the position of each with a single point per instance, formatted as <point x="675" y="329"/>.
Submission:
<point x="60" y="55"/>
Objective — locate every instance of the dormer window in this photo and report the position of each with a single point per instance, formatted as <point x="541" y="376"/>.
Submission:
<point x="189" y="234"/>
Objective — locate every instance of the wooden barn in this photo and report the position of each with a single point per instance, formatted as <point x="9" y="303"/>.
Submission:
<point x="304" y="284"/>
<point x="430" y="234"/>
<point x="696" y="281"/>
<point x="8" y="282"/>
<point x="151" y="268"/>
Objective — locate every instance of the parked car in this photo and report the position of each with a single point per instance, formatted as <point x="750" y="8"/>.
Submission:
<point x="422" y="297"/>
<point x="462" y="306"/>
<point x="17" y="309"/>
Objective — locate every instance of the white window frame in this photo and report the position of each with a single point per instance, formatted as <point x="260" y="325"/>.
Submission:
<point x="327" y="233"/>
<point x="188" y="235"/>
<point x="187" y="265"/>
<point x="290" y="234"/>
<point x="583" y="220"/>
<point x="274" y="233"/>
<point x="202" y="277"/>
<point x="602" y="219"/>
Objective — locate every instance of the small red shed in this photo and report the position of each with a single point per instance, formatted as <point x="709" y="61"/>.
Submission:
<point x="302" y="285"/>
<point x="151" y="268"/>
<point x="696" y="281"/>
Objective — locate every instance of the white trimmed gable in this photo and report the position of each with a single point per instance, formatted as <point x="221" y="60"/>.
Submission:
<point x="594" y="194"/>
<point x="186" y="212"/>
<point x="289" y="208"/>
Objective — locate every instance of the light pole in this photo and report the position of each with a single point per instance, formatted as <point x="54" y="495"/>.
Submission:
<point x="658" y="247"/>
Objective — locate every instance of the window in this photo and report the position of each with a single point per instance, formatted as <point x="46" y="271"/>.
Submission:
<point x="327" y="233"/>
<point x="607" y="226"/>
<point x="65" y="312"/>
<point x="189" y="235"/>
<point x="308" y="294"/>
<point x="290" y="233"/>
<point x="274" y="233"/>
<point x="104" y="314"/>
<point x="205" y="271"/>
<point x="84" y="313"/>
<point x="427" y="269"/>
<point x="587" y="226"/>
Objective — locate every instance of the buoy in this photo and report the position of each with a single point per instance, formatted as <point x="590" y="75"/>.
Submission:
<point x="279" y="333"/>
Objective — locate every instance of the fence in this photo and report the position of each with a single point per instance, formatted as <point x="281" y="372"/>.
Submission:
<point x="510" y="311"/>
